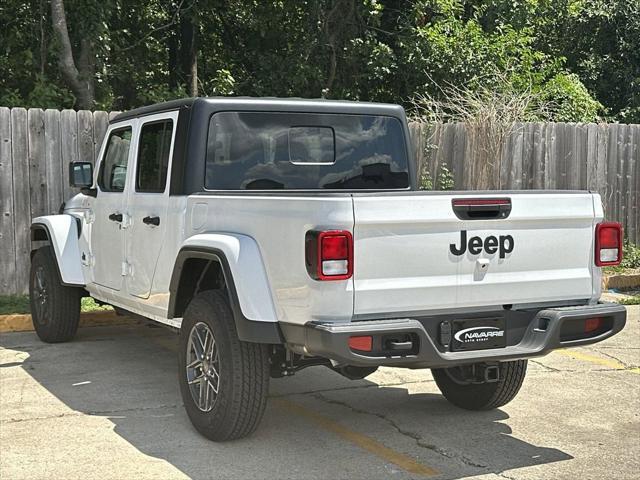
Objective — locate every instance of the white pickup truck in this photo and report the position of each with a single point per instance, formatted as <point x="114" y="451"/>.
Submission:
<point x="278" y="234"/>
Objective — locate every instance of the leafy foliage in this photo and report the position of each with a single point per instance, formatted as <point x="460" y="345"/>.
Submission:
<point x="631" y="256"/>
<point x="581" y="56"/>
<point x="633" y="300"/>
<point x="19" y="304"/>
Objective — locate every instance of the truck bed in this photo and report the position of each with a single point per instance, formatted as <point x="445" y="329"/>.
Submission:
<point x="403" y="250"/>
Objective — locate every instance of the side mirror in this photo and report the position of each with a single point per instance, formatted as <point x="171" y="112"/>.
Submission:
<point x="81" y="174"/>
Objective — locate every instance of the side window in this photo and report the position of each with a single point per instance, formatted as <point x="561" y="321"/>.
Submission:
<point x="113" y="169"/>
<point x="153" y="156"/>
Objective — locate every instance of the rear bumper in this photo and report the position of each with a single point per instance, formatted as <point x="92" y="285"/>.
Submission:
<point x="330" y="340"/>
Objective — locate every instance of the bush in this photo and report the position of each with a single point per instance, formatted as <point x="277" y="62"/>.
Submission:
<point x="631" y="257"/>
<point x="568" y="99"/>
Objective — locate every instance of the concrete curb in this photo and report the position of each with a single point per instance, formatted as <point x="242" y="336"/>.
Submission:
<point x="625" y="281"/>
<point x="23" y="323"/>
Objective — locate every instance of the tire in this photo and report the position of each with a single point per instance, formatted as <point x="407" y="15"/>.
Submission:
<point x="237" y="380"/>
<point x="55" y="308"/>
<point x="482" y="396"/>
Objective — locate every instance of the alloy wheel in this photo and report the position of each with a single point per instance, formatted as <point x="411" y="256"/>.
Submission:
<point x="203" y="367"/>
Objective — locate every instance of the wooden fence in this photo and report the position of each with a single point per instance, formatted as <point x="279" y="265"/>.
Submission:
<point x="603" y="158"/>
<point x="36" y="147"/>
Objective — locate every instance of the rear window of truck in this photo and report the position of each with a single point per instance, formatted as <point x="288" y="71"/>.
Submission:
<point x="301" y="151"/>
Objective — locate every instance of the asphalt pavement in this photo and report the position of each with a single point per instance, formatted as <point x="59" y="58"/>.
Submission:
<point x="107" y="406"/>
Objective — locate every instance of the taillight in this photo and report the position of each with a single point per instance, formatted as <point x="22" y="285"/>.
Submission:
<point x="329" y="254"/>
<point x="364" y="343"/>
<point x="593" y="324"/>
<point x="608" y="244"/>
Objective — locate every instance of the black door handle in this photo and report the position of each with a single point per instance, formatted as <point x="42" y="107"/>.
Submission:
<point x="151" y="221"/>
<point x="115" y="217"/>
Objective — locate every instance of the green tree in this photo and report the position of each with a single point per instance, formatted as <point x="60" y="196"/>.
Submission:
<point x="580" y="55"/>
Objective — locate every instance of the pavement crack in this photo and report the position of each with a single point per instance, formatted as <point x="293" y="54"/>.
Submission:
<point x="419" y="441"/>
<point x="95" y="413"/>
<point x="613" y="357"/>
<point x="546" y="367"/>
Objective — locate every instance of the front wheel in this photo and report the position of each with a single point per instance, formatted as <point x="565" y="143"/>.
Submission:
<point x="455" y="385"/>
<point x="224" y="381"/>
<point x="55" y="308"/>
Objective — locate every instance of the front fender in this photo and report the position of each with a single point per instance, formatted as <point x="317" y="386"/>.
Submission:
<point x="247" y="270"/>
<point x="62" y="232"/>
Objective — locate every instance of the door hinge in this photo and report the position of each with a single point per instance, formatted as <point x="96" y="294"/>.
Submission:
<point x="126" y="269"/>
<point x="88" y="260"/>
<point x="89" y="216"/>
<point x="126" y="221"/>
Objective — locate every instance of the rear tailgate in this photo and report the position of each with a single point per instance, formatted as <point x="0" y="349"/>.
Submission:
<point x="410" y="255"/>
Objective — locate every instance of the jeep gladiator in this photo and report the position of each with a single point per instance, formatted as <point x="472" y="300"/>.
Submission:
<point x="277" y="234"/>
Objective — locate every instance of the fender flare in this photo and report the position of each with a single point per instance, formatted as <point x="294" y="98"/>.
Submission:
<point x="62" y="234"/>
<point x="239" y="257"/>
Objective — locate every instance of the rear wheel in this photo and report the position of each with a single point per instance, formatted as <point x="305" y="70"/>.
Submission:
<point x="457" y="387"/>
<point x="224" y="381"/>
<point x="55" y="308"/>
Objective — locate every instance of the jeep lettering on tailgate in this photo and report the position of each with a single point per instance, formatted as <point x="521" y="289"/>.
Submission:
<point x="503" y="244"/>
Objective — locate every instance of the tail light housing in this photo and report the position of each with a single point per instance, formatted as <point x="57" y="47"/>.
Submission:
<point x="608" y="244"/>
<point x="329" y="254"/>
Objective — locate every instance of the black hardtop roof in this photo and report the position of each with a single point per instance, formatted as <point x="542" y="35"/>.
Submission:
<point x="268" y="104"/>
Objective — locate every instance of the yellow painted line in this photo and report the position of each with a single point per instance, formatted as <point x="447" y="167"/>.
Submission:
<point x="605" y="362"/>
<point x="363" y="441"/>
<point x="23" y="323"/>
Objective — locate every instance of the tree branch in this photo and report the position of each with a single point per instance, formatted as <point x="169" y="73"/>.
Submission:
<point x="82" y="88"/>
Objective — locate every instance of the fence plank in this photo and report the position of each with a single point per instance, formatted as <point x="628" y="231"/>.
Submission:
<point x="7" y="225"/>
<point x="632" y="171"/>
<point x="621" y="207"/>
<point x="37" y="164"/>
<point x="592" y="157"/>
<point x="433" y="151"/>
<point x="526" y="179"/>
<point x="417" y="143"/>
<point x="636" y="186"/>
<point x="69" y="151"/>
<point x="456" y="164"/>
<point x="563" y="144"/>
<point x="53" y="158"/>
<point x="612" y="169"/>
<point x="505" y="162"/>
<point x="86" y="147"/>
<point x="445" y="154"/>
<point x="539" y="155"/>
<point x="514" y="180"/>
<point x="21" y="196"/>
<point x="601" y="169"/>
<point x="551" y="158"/>
<point x="578" y="169"/>
<point x="100" y="124"/>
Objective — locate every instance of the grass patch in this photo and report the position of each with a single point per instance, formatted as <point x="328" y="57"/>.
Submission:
<point x="88" y="304"/>
<point x="11" y="304"/>
<point x="19" y="304"/>
<point x="635" y="300"/>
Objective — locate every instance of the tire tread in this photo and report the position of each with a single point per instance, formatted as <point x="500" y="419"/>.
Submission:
<point x="239" y="410"/>
<point x="485" y="396"/>
<point x="65" y="309"/>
